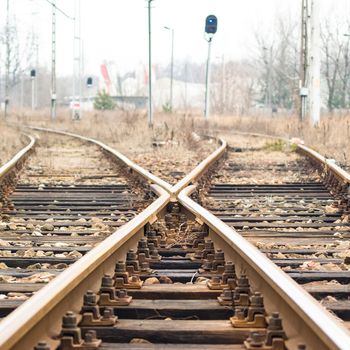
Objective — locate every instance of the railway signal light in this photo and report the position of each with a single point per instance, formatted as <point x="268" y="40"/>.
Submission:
<point x="211" y="24"/>
<point x="89" y="82"/>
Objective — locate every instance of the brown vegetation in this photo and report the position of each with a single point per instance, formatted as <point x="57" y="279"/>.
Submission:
<point x="11" y="142"/>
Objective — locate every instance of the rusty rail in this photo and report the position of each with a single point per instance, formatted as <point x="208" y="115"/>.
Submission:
<point x="129" y="163"/>
<point x="336" y="179"/>
<point x="9" y="169"/>
<point x="21" y="329"/>
<point x="11" y="164"/>
<point x="305" y="320"/>
<point x="200" y="169"/>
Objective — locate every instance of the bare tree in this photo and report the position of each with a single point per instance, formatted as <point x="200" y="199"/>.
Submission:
<point x="336" y="64"/>
<point x="19" y="52"/>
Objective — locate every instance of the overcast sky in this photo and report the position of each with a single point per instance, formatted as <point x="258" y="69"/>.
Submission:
<point x="116" y="30"/>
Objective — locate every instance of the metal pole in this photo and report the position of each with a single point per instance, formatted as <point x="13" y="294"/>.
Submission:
<point x="315" y="65"/>
<point x="303" y="57"/>
<point x="7" y="72"/>
<point x="150" y="112"/>
<point x="172" y="70"/>
<point x="53" y="62"/>
<point x="223" y="99"/>
<point x="33" y="93"/>
<point x="270" y="80"/>
<point x="207" y="82"/>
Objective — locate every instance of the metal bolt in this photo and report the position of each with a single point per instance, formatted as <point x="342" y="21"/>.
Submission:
<point x="69" y="320"/>
<point x="142" y="243"/>
<point x="42" y="345"/>
<point x="209" y="244"/>
<point x="122" y="293"/>
<point x="107" y="313"/>
<point x="90" y="298"/>
<point x="135" y="278"/>
<point x="239" y="313"/>
<point x="131" y="255"/>
<point x="275" y="322"/>
<point x="256" y="300"/>
<point x="145" y="266"/>
<point x="90" y="337"/>
<point x="257" y="339"/>
<point x="215" y="279"/>
<point x="229" y="267"/>
<point x="107" y="281"/>
<point x="120" y="266"/>
<point x="219" y="255"/>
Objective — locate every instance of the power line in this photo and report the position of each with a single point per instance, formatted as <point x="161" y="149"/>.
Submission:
<point x="59" y="10"/>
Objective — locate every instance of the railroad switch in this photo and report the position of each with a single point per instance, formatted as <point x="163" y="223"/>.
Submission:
<point x="255" y="317"/>
<point x="71" y="338"/>
<point x="109" y="296"/>
<point x="91" y="315"/>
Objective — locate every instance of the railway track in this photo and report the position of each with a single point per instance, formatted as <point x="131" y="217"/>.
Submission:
<point x="296" y="215"/>
<point x="68" y="197"/>
<point x="174" y="276"/>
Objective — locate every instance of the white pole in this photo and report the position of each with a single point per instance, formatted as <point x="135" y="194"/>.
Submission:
<point x="207" y="82"/>
<point x="150" y="112"/>
<point x="33" y="93"/>
<point x="53" y="62"/>
<point x="7" y="72"/>
<point x="315" y="65"/>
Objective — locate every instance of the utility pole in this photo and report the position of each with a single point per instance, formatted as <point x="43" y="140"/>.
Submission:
<point x="315" y="65"/>
<point x="207" y="82"/>
<point x="150" y="111"/>
<point x="223" y="97"/>
<point x="172" y="70"/>
<point x="211" y="23"/>
<point x="76" y="105"/>
<point x="7" y="69"/>
<point x="53" y="62"/>
<point x="304" y="53"/>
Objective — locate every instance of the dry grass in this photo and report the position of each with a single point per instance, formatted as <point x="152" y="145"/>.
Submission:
<point x="129" y="133"/>
<point x="11" y="142"/>
<point x="331" y="138"/>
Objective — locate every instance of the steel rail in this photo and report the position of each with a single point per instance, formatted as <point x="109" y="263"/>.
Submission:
<point x="7" y="167"/>
<point x="328" y="164"/>
<point x="306" y="318"/>
<point x="138" y="169"/>
<point x="200" y="169"/>
<point x="21" y="329"/>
